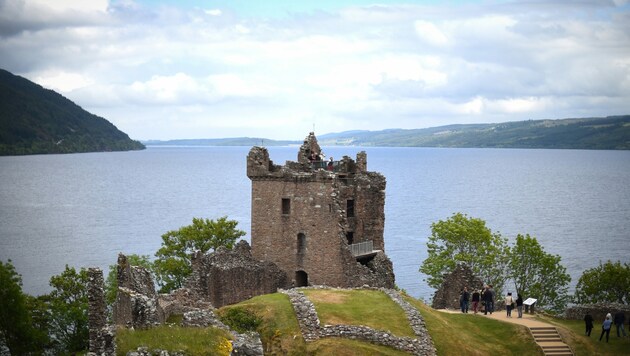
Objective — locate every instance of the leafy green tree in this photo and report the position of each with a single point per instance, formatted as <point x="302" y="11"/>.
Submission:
<point x="16" y="332"/>
<point x="111" y="282"/>
<point x="173" y="263"/>
<point x="538" y="274"/>
<point x="461" y="239"/>
<point x="608" y="282"/>
<point x="68" y="305"/>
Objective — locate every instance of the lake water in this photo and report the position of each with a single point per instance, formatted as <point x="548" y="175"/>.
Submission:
<point x="82" y="209"/>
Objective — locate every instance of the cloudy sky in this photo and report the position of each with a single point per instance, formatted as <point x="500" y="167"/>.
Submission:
<point x="166" y="69"/>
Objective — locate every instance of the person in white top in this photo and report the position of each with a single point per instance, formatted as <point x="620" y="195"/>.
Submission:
<point x="509" y="304"/>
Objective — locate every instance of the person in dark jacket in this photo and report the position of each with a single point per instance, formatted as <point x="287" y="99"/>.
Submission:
<point x="463" y="300"/>
<point x="475" y="301"/>
<point x="519" y="305"/>
<point x="588" y="321"/>
<point x="487" y="299"/>
<point x="620" y="318"/>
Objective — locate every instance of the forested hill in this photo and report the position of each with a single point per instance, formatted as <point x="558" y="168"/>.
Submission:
<point x="35" y="120"/>
<point x="607" y="133"/>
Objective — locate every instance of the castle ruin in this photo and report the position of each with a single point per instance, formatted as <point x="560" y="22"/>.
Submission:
<point x="320" y="221"/>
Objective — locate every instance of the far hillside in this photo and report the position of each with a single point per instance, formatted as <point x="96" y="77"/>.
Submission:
<point x="604" y="133"/>
<point x="36" y="120"/>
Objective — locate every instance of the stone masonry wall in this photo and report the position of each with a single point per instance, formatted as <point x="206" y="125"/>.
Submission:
<point x="102" y="340"/>
<point x="136" y="301"/>
<point x="447" y="296"/>
<point x="231" y="276"/>
<point x="312" y="236"/>
<point x="597" y="311"/>
<point x="312" y="329"/>
<point x="312" y="213"/>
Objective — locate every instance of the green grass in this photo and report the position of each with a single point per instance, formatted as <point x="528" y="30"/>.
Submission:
<point x="452" y="334"/>
<point x="360" y="307"/>
<point x="193" y="341"/>
<point x="279" y="331"/>
<point x="572" y="332"/>
<point x="346" y="347"/>
<point x="469" y="334"/>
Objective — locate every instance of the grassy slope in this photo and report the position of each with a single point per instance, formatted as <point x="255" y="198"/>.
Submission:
<point x="469" y="334"/>
<point x="453" y="334"/>
<point x="572" y="332"/>
<point x="193" y="341"/>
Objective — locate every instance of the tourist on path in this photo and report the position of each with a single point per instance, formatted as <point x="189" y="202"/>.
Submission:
<point x="588" y="321"/>
<point x="519" y="305"/>
<point x="487" y="299"/>
<point x="509" y="304"/>
<point x="475" y="301"/>
<point x="463" y="300"/>
<point x="606" y="327"/>
<point x="620" y="318"/>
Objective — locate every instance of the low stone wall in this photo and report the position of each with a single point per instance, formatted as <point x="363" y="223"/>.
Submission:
<point x="312" y="330"/>
<point x="597" y="311"/>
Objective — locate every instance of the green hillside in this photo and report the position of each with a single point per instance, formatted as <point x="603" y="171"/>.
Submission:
<point x="452" y="333"/>
<point x="606" y="133"/>
<point x="35" y="120"/>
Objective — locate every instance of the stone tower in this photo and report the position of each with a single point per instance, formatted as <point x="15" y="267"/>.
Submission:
<point x="320" y="221"/>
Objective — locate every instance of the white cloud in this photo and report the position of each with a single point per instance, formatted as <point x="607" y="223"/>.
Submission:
<point x="430" y="33"/>
<point x="194" y="72"/>
<point x="214" y="12"/>
<point x="69" y="5"/>
<point x="62" y="81"/>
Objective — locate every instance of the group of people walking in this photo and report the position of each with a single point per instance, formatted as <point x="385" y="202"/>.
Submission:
<point x="485" y="298"/>
<point x="619" y="320"/>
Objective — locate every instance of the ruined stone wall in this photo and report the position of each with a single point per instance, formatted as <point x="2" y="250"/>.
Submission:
<point x="102" y="336"/>
<point x="447" y="296"/>
<point x="136" y="301"/>
<point x="313" y="213"/>
<point x="329" y="209"/>
<point x="367" y="189"/>
<point x="231" y="276"/>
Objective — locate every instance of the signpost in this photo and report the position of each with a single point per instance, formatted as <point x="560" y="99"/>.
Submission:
<point x="529" y="305"/>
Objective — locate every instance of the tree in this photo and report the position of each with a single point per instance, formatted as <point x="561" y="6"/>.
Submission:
<point x="68" y="305"/>
<point x="538" y="274"/>
<point x="468" y="240"/>
<point x="16" y="332"/>
<point x="173" y="263"/>
<point x="608" y="282"/>
<point x="111" y="283"/>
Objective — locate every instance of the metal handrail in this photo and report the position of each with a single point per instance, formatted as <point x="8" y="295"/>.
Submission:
<point x="362" y="248"/>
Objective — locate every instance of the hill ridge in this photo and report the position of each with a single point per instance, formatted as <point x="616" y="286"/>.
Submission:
<point x="36" y="120"/>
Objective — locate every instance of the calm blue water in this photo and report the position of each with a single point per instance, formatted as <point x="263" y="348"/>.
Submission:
<point x="82" y="209"/>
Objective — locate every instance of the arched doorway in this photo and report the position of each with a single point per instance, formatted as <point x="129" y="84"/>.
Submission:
<point x="301" y="279"/>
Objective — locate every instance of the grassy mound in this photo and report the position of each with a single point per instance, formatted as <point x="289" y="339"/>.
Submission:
<point x="453" y="334"/>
